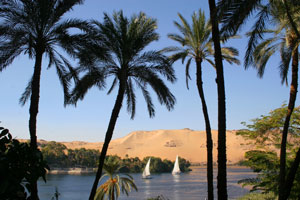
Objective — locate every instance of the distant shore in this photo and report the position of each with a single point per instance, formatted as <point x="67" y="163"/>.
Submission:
<point x="86" y="170"/>
<point x="73" y="170"/>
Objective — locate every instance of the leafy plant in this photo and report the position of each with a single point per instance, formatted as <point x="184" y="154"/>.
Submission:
<point x="264" y="135"/>
<point x="258" y="196"/>
<point x="16" y="169"/>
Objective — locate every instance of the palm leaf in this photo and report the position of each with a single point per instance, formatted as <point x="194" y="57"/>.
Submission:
<point x="234" y="13"/>
<point x="26" y="94"/>
<point x="286" y="54"/>
<point x="256" y="34"/>
<point x="187" y="72"/>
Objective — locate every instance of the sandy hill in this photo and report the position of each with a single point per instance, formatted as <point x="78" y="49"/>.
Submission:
<point x="186" y="143"/>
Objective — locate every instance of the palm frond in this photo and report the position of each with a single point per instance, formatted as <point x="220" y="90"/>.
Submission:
<point x="261" y="59"/>
<point x="113" y="85"/>
<point x="187" y="72"/>
<point x="156" y="62"/>
<point x="26" y="94"/>
<point x="65" y="82"/>
<point x="179" y="55"/>
<point x="147" y="97"/>
<point x="92" y="78"/>
<point x="211" y="62"/>
<point x="177" y="38"/>
<point x="63" y="7"/>
<point x="164" y="95"/>
<point x="286" y="54"/>
<point x="131" y="99"/>
<point x="256" y="34"/>
<point x="234" y="13"/>
<point x="186" y="28"/>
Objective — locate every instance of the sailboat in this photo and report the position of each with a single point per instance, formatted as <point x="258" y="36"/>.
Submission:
<point x="176" y="169"/>
<point x="146" y="172"/>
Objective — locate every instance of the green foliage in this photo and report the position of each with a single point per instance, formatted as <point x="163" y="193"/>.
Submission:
<point x="16" y="167"/>
<point x="184" y="165"/>
<point x="258" y="196"/>
<point x="160" y="197"/>
<point x="115" y="183"/>
<point x="58" y="155"/>
<point x="53" y="152"/>
<point x="264" y="134"/>
<point x="158" y="166"/>
<point x="83" y="157"/>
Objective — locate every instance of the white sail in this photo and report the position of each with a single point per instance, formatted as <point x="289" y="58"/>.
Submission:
<point x="146" y="172"/>
<point x="176" y="169"/>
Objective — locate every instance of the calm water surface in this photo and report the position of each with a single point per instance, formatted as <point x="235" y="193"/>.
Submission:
<point x="187" y="186"/>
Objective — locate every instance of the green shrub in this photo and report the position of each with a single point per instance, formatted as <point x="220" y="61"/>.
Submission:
<point x="258" y="196"/>
<point x="16" y="168"/>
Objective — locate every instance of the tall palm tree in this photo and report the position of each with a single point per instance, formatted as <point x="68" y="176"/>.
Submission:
<point x="283" y="39"/>
<point x="115" y="184"/>
<point x="222" y="171"/>
<point x="36" y="28"/>
<point x="234" y="14"/>
<point x="128" y="65"/>
<point x="195" y="41"/>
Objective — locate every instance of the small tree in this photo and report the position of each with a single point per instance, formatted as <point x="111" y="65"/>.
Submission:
<point x="264" y="135"/>
<point x="115" y="183"/>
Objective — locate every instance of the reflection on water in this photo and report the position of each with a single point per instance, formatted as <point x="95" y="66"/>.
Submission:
<point x="147" y="187"/>
<point x="188" y="186"/>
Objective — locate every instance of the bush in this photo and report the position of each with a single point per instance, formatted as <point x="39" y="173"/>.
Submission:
<point x="258" y="196"/>
<point x="16" y="168"/>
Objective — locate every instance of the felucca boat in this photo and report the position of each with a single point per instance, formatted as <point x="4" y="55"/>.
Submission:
<point x="146" y="172"/>
<point x="176" y="169"/>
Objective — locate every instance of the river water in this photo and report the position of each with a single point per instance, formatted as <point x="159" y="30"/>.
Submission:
<point x="187" y="186"/>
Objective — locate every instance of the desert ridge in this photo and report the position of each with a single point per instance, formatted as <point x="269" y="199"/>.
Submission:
<point x="166" y="144"/>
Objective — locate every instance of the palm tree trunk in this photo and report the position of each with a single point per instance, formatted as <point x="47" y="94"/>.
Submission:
<point x="108" y="136"/>
<point x="291" y="176"/>
<point x="291" y="105"/>
<point x="222" y="174"/>
<point x="113" y="194"/>
<point x="209" y="143"/>
<point x="33" y="112"/>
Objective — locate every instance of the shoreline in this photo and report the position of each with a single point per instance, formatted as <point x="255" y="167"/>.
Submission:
<point x="89" y="170"/>
<point x="72" y="170"/>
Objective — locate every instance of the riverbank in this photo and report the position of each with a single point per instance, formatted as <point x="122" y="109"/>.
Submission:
<point x="87" y="170"/>
<point x="73" y="170"/>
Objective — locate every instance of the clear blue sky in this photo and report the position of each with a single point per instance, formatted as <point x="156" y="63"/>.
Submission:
<point x="247" y="96"/>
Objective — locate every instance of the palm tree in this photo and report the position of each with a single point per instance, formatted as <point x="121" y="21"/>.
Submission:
<point x="115" y="183"/>
<point x="234" y="14"/>
<point x="283" y="39"/>
<point x="129" y="66"/>
<point x="195" y="41"/>
<point x="222" y="171"/>
<point x="36" y="28"/>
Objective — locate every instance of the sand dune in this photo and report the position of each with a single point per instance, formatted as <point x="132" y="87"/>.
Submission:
<point x="186" y="143"/>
